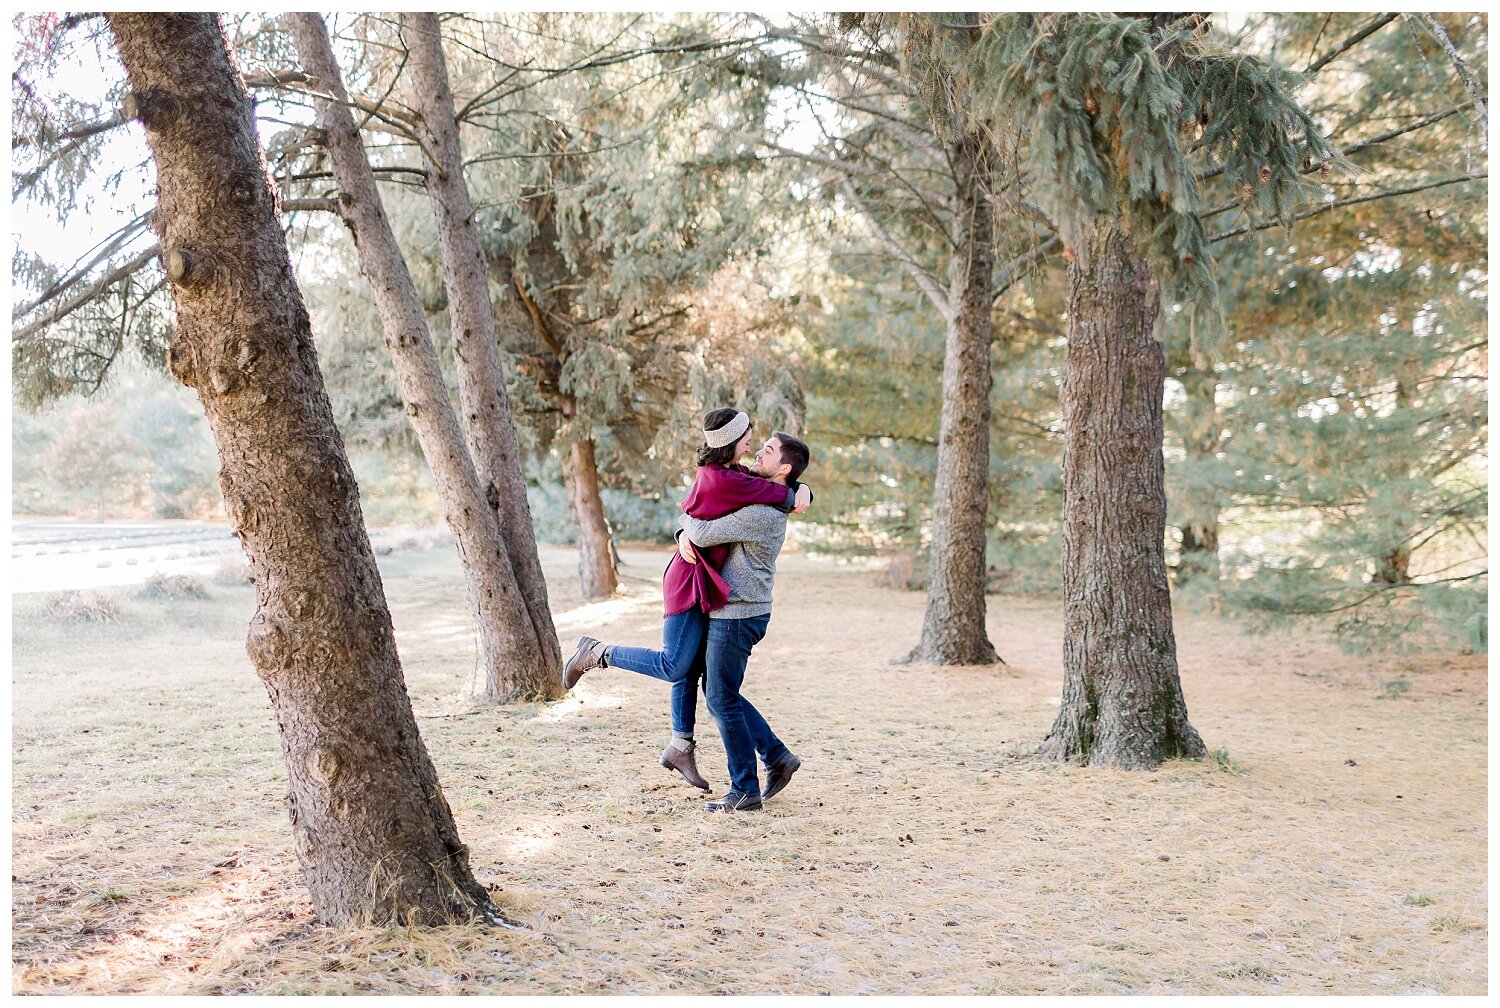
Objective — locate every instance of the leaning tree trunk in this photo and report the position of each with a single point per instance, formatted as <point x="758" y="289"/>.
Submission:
<point x="374" y="835"/>
<point x="953" y="630"/>
<point x="596" y="567"/>
<point x="476" y="346"/>
<point x="507" y="639"/>
<point x="1122" y="700"/>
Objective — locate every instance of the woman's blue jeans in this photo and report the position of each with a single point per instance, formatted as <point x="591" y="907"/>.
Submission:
<point x="679" y="662"/>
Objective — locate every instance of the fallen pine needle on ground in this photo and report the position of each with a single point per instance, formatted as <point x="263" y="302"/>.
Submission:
<point x="1335" y="842"/>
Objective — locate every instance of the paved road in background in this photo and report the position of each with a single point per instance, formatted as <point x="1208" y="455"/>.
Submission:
<point x="58" y="556"/>
<point x="64" y="556"/>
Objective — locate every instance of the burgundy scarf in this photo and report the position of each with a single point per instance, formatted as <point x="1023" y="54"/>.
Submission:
<point x="717" y="491"/>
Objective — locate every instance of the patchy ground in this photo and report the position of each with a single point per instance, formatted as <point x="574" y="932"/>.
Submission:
<point x="1336" y="844"/>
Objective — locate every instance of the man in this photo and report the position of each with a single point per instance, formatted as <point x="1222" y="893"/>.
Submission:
<point x="755" y="535"/>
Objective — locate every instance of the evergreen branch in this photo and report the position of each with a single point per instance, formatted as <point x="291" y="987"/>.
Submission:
<point x="1380" y="21"/>
<point x="924" y="279"/>
<point x="1351" y="201"/>
<point x="123" y="271"/>
<point x="879" y="65"/>
<point x="1006" y="276"/>
<point x="550" y="73"/>
<point x="80" y="132"/>
<point x="930" y="442"/>
<point x="1347" y="152"/>
<point x="289" y="80"/>
<point x="76" y="272"/>
<point x="507" y="156"/>
<point x="83" y="297"/>
<point x="1371" y="593"/>
<point x="1029" y="209"/>
<point x="844" y="168"/>
<point x="1476" y="93"/>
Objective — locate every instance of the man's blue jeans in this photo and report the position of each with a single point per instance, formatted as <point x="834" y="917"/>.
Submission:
<point x="742" y="729"/>
<point x="689" y="639"/>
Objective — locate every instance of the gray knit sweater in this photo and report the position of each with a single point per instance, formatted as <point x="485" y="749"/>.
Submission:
<point x="757" y="532"/>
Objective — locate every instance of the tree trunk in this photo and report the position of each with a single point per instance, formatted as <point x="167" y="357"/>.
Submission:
<point x="953" y="630"/>
<point x="596" y="568"/>
<point x="507" y="639"/>
<point x="374" y="835"/>
<point x="1122" y="701"/>
<point x="1395" y="567"/>
<point x="1199" y="556"/>
<point x="476" y="347"/>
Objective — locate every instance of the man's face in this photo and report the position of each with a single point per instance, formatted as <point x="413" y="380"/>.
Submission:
<point x="768" y="460"/>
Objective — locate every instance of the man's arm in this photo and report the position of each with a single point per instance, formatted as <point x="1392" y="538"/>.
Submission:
<point x="749" y="524"/>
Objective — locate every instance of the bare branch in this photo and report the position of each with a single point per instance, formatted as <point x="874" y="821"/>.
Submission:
<point x="1380" y="21"/>
<point x="924" y="280"/>
<point x="1351" y="201"/>
<point x="1350" y="151"/>
<point x="1476" y="92"/>
<point x="99" y="254"/>
<point x="83" y="297"/>
<point x="310" y="204"/>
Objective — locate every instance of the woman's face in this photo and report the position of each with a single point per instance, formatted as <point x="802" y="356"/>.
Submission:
<point x="742" y="446"/>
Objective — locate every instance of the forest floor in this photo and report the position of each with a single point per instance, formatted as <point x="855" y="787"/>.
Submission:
<point x="1336" y="843"/>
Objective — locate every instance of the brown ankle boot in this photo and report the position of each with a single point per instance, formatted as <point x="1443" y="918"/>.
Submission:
<point x="590" y="655"/>
<point x="683" y="762"/>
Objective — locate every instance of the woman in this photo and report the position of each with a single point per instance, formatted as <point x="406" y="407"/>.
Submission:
<point x="691" y="590"/>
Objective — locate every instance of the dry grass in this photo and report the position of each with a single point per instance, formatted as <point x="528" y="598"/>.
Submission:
<point x="1337" y="846"/>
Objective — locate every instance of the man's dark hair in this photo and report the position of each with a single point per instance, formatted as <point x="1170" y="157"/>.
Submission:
<point x="723" y="455"/>
<point x="793" y="451"/>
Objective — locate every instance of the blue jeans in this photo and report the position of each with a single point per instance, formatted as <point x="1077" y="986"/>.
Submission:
<point x="742" y="729"/>
<point x="679" y="662"/>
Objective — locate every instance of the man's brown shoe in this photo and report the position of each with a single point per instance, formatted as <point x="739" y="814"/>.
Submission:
<point x="779" y="775"/>
<point x="590" y="655"/>
<point x="683" y="762"/>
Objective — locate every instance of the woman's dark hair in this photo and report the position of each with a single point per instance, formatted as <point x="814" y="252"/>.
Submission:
<point x="713" y="420"/>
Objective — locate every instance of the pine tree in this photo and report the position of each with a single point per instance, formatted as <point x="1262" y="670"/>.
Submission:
<point x="516" y="663"/>
<point x="374" y="847"/>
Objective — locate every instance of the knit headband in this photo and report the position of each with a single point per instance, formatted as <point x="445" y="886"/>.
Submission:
<point x="729" y="433"/>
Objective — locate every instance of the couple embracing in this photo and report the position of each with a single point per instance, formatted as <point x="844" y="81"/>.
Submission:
<point x="717" y="604"/>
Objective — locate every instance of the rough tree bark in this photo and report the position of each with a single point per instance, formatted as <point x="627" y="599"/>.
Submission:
<point x="953" y="630"/>
<point x="374" y="835"/>
<point x="488" y="423"/>
<point x="509" y="652"/>
<point x="596" y="566"/>
<point x="1122" y="701"/>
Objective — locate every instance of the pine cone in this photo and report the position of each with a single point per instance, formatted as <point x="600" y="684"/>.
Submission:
<point x="1265" y="174"/>
<point x="1325" y="171"/>
<point x="1246" y="192"/>
<point x="1090" y="105"/>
